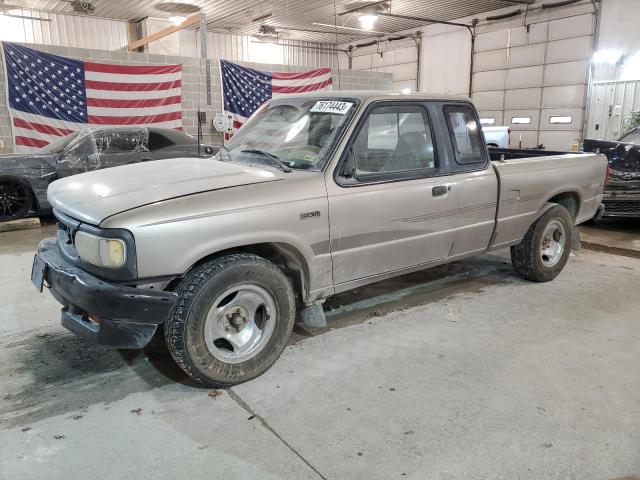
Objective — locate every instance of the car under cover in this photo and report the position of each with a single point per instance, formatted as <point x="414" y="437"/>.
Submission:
<point x="85" y="151"/>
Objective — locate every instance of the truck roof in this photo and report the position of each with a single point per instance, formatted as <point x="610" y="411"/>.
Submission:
<point x="379" y="95"/>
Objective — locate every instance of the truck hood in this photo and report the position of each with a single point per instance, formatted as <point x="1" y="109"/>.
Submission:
<point x="92" y="197"/>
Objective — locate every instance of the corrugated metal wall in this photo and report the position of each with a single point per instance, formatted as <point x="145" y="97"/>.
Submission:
<point x="246" y="48"/>
<point x="64" y="30"/>
<point x="107" y="34"/>
<point x="611" y="105"/>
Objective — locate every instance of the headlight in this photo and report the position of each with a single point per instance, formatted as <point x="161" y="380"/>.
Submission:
<point x="99" y="251"/>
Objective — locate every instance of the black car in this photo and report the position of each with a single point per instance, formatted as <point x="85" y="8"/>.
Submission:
<point x="622" y="191"/>
<point x="24" y="177"/>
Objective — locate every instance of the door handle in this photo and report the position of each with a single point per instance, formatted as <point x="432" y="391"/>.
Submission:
<point x="440" y="190"/>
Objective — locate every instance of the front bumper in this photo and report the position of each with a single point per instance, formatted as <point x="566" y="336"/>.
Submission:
<point x="621" y="205"/>
<point x="101" y="312"/>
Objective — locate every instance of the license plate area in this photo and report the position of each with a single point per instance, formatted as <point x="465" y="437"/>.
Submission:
<point x="38" y="271"/>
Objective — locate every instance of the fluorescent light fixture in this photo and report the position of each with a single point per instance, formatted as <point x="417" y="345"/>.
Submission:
<point x="521" y="120"/>
<point x="177" y="20"/>
<point x="560" y="119"/>
<point x="610" y="57"/>
<point x="331" y="25"/>
<point x="488" y="121"/>
<point x="406" y="91"/>
<point x="368" y="20"/>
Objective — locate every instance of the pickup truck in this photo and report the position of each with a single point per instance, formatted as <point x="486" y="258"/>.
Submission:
<point x="497" y="136"/>
<point x="316" y="194"/>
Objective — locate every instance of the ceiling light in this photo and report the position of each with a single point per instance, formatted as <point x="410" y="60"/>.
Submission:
<point x="177" y="20"/>
<point x="406" y="91"/>
<point x="368" y="20"/>
<point x="607" y="56"/>
<point x="332" y="25"/>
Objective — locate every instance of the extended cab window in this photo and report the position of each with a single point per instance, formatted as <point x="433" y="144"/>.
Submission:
<point x="394" y="139"/>
<point x="465" y="134"/>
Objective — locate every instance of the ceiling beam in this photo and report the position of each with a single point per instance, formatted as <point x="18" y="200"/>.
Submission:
<point x="192" y="20"/>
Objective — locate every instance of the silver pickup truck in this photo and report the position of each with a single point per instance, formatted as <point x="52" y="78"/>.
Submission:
<point x="316" y="194"/>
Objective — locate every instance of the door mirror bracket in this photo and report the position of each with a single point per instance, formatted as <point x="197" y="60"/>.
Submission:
<point x="349" y="170"/>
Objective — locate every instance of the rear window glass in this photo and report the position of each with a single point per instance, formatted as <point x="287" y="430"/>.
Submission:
<point x="465" y="134"/>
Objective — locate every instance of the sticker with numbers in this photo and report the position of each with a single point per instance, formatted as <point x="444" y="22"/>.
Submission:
<point x="330" y="106"/>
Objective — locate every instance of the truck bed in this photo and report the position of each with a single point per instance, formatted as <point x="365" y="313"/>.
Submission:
<point x="528" y="183"/>
<point x="514" y="153"/>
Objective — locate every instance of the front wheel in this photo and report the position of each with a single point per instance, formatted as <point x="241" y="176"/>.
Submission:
<point x="545" y="249"/>
<point x="232" y="319"/>
<point x="16" y="199"/>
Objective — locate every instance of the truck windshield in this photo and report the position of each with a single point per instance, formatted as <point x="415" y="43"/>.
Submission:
<point x="631" y="137"/>
<point x="297" y="132"/>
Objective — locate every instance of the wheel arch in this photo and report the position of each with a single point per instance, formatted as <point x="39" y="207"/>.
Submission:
<point x="570" y="200"/>
<point x="287" y="257"/>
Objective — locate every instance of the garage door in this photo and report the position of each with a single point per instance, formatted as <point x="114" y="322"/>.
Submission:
<point x="398" y="57"/>
<point x="534" y="80"/>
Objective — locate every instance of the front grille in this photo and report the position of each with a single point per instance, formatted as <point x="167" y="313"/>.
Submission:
<point x="623" y="188"/>
<point x="622" y="206"/>
<point x="66" y="229"/>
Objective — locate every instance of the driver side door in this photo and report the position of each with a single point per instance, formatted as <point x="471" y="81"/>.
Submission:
<point x="390" y="207"/>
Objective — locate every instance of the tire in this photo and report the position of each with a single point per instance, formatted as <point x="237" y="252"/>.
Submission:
<point x="531" y="260"/>
<point x="221" y="304"/>
<point x="16" y="198"/>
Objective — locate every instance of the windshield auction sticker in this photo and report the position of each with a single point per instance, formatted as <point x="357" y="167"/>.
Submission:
<point x="330" y="106"/>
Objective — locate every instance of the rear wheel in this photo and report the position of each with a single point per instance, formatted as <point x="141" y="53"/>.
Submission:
<point x="16" y="199"/>
<point x="545" y="249"/>
<point x="232" y="320"/>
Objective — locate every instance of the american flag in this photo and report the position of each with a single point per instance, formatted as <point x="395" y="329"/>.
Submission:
<point x="245" y="89"/>
<point x="50" y="96"/>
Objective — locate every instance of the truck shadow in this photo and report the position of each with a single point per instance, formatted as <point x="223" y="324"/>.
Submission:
<point x="53" y="372"/>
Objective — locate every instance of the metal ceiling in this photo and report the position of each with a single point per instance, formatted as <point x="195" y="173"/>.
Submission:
<point x="295" y="16"/>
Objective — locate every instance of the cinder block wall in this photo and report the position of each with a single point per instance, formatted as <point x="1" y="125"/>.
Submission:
<point x="194" y="89"/>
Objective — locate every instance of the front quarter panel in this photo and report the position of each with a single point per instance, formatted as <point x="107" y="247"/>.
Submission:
<point x="173" y="235"/>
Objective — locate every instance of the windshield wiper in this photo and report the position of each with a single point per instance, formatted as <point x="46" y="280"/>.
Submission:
<point x="275" y="160"/>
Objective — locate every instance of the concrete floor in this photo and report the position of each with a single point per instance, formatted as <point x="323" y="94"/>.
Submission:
<point x="617" y="233"/>
<point x="463" y="371"/>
